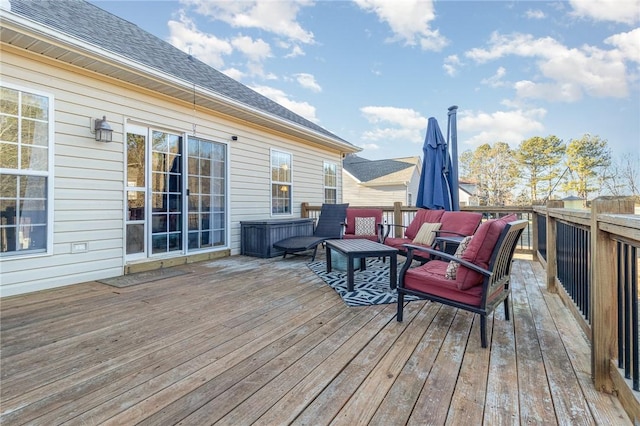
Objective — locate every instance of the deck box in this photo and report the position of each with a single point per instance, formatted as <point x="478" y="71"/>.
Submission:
<point x="257" y="237"/>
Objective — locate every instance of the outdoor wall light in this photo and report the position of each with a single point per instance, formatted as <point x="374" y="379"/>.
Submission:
<point x="234" y="138"/>
<point x="102" y="130"/>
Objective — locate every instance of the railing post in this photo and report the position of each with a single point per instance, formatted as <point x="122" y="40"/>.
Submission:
<point x="304" y="210"/>
<point x="534" y="233"/>
<point x="552" y="255"/>
<point x="397" y="219"/>
<point x="604" y="278"/>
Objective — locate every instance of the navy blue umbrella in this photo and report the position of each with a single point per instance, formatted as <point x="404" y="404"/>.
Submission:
<point x="435" y="190"/>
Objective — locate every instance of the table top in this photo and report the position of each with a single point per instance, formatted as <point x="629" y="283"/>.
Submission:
<point x="357" y="246"/>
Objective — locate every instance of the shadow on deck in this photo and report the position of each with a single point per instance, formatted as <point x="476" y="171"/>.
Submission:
<point x="243" y="340"/>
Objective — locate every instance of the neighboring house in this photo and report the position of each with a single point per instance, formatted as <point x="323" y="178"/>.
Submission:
<point x="193" y="152"/>
<point x="380" y="182"/>
<point x="468" y="194"/>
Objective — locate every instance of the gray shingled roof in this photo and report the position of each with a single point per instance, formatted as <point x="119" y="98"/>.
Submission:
<point x="366" y="170"/>
<point x="78" y="18"/>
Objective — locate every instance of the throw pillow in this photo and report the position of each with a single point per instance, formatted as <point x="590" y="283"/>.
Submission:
<point x="365" y="226"/>
<point x="452" y="268"/>
<point x="425" y="235"/>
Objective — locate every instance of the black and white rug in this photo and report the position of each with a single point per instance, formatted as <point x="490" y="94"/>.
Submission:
<point x="371" y="286"/>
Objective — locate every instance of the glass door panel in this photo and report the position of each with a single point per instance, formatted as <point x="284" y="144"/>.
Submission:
<point x="135" y="218"/>
<point x="166" y="192"/>
<point x="206" y="194"/>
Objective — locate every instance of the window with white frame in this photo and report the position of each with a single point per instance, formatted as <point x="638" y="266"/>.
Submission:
<point x="280" y="182"/>
<point x="330" y="183"/>
<point x="25" y="170"/>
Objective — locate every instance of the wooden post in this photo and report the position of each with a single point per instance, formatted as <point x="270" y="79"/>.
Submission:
<point x="604" y="278"/>
<point x="552" y="234"/>
<point x="304" y="210"/>
<point x="397" y="219"/>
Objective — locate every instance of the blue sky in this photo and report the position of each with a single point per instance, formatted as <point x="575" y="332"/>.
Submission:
<point x="374" y="71"/>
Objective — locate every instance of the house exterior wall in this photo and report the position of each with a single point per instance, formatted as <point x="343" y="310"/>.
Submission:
<point x="412" y="187"/>
<point x="357" y="194"/>
<point x="89" y="189"/>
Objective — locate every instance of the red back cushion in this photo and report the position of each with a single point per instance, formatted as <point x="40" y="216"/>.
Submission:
<point x="422" y="216"/>
<point x="462" y="222"/>
<point x="352" y="213"/>
<point x="479" y="252"/>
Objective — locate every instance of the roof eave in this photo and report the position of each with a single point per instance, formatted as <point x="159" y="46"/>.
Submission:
<point x="105" y="62"/>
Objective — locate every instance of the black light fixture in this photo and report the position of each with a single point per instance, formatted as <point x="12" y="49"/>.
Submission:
<point x="102" y="130"/>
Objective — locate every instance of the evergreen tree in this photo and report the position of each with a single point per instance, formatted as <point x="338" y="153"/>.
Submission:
<point x="540" y="160"/>
<point x="587" y="158"/>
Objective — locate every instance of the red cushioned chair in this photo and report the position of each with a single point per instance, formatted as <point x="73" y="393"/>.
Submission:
<point x="368" y="221"/>
<point x="482" y="279"/>
<point x="455" y="226"/>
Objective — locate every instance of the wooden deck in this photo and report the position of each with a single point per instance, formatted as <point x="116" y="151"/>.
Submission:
<point x="242" y="340"/>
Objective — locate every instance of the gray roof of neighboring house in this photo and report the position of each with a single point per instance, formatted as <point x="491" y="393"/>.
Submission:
<point x="469" y="188"/>
<point x="100" y="28"/>
<point x="367" y="170"/>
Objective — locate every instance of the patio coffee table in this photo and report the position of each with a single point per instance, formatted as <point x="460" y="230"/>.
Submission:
<point x="361" y="249"/>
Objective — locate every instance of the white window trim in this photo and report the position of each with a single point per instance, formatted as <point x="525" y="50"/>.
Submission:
<point x="49" y="174"/>
<point x="271" y="182"/>
<point x="324" y="186"/>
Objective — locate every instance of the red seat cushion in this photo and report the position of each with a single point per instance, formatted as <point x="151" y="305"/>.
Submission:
<point x="464" y="223"/>
<point x="422" y="216"/>
<point x="429" y="278"/>
<point x="352" y="213"/>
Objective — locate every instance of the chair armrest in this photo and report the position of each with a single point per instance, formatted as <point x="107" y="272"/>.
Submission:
<point x="389" y="225"/>
<point x="444" y="231"/>
<point x="410" y="249"/>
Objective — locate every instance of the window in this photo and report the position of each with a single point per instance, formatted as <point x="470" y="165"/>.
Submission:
<point x="280" y="182"/>
<point x="25" y="170"/>
<point x="330" y="183"/>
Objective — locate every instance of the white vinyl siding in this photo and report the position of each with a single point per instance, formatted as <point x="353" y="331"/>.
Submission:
<point x="88" y="237"/>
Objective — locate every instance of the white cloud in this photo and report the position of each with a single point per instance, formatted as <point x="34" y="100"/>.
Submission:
<point x="255" y="50"/>
<point x="294" y="52"/>
<point x="535" y="14"/>
<point x="234" y="73"/>
<point x="451" y="64"/>
<point x="511" y="127"/>
<point x="623" y="11"/>
<point x="391" y="123"/>
<point x="574" y="71"/>
<point x="409" y="20"/>
<point x="627" y="43"/>
<point x="277" y="17"/>
<point x="496" y="79"/>
<point x="184" y="35"/>
<point x="304" y="109"/>
<point x="308" y="81"/>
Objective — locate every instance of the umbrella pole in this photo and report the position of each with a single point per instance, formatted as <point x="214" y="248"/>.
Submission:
<point x="452" y="127"/>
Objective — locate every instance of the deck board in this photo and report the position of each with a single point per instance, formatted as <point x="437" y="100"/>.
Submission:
<point x="244" y="340"/>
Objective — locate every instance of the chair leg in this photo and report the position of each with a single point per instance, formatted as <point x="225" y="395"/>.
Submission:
<point x="315" y="250"/>
<point x="400" y="306"/>
<point x="506" y="308"/>
<point x="483" y="330"/>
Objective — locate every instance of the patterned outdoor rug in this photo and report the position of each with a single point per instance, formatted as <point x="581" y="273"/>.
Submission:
<point x="370" y="287"/>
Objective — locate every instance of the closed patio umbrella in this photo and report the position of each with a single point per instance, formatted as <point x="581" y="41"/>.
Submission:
<point x="435" y="189"/>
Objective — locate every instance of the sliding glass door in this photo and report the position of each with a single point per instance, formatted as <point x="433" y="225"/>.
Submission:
<point x="159" y="189"/>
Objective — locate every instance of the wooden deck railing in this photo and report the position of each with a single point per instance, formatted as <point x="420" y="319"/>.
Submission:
<point x="592" y="262"/>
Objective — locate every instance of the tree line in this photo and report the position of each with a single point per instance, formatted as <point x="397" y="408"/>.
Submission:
<point x="543" y="168"/>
